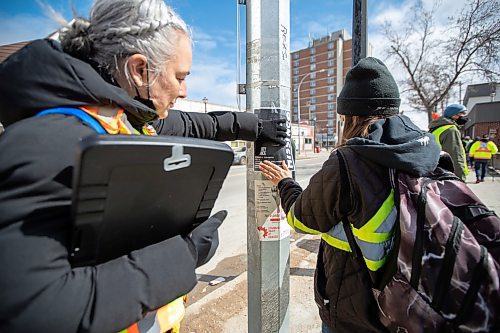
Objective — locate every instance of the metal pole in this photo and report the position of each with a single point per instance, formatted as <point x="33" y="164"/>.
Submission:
<point x="298" y="112"/>
<point x="205" y="101"/>
<point x="359" y="34"/>
<point x="268" y="234"/>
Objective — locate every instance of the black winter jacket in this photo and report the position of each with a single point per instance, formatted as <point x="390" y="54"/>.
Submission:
<point x="342" y="283"/>
<point x="39" y="290"/>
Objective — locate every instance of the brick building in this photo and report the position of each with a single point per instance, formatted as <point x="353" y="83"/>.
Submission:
<point x="483" y="103"/>
<point x="319" y="71"/>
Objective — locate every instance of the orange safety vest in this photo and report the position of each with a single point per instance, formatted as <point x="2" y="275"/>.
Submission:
<point x="167" y="318"/>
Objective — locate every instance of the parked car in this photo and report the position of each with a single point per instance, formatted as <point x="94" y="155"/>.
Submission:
<point x="240" y="156"/>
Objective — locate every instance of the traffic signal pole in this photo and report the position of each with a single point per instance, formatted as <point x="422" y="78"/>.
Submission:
<point x="359" y="32"/>
<point x="268" y="96"/>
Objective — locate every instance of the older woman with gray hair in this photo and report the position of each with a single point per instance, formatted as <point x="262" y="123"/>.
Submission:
<point x="124" y="67"/>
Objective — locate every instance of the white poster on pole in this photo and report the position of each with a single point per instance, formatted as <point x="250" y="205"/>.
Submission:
<point x="271" y="218"/>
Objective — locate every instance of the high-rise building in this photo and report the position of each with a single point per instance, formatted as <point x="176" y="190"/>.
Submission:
<point x="318" y="73"/>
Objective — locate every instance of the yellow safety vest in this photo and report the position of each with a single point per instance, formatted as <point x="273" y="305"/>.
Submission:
<point x="437" y="133"/>
<point x="482" y="150"/>
<point x="374" y="238"/>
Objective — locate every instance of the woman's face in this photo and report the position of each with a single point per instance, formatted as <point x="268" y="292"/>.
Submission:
<point x="171" y="83"/>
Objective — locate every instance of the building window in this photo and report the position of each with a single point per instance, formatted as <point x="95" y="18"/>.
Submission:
<point x="312" y="67"/>
<point x="295" y="56"/>
<point x="330" y="89"/>
<point x="312" y="108"/>
<point x="330" y="46"/>
<point x="312" y="76"/>
<point x="313" y="100"/>
<point x="330" y="97"/>
<point x="312" y="92"/>
<point x="313" y="59"/>
<point x="330" y="54"/>
<point x="295" y="109"/>
<point x="330" y="72"/>
<point x="312" y="51"/>
<point x="330" y="130"/>
<point x="330" y="107"/>
<point x="295" y="79"/>
<point x="295" y="95"/>
<point x="296" y="63"/>
<point x="330" y="123"/>
<point x="295" y="86"/>
<point x="330" y="63"/>
<point x="296" y="71"/>
<point x="331" y="80"/>
<point x="312" y="84"/>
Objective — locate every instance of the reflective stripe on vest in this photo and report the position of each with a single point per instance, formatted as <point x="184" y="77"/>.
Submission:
<point x="483" y="152"/>
<point x="297" y="225"/>
<point x="375" y="238"/>
<point x="165" y="319"/>
<point x="437" y="133"/>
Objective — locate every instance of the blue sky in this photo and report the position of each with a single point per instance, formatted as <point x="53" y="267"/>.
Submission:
<point x="214" y="31"/>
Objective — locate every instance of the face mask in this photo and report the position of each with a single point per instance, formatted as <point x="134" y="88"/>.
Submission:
<point x="461" y="120"/>
<point x="146" y="101"/>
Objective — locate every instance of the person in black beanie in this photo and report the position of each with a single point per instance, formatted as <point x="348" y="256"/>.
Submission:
<point x="375" y="138"/>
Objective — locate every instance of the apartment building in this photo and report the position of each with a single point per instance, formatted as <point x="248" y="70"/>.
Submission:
<point x="318" y="73"/>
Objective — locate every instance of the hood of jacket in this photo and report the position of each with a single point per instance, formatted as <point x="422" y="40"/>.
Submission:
<point x="41" y="76"/>
<point x="395" y="142"/>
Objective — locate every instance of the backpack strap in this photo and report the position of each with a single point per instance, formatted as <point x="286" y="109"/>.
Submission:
<point x="345" y="207"/>
<point x="478" y="276"/>
<point x="78" y="113"/>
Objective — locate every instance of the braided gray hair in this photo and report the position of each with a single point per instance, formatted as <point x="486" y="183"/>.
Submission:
<point x="120" y="28"/>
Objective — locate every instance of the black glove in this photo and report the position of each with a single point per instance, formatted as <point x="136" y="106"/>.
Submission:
<point x="272" y="131"/>
<point x="204" y="239"/>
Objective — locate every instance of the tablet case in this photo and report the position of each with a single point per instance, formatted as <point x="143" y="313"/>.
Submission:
<point x="134" y="191"/>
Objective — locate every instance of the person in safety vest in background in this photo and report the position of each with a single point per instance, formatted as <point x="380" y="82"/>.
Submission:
<point x="445" y="129"/>
<point x="375" y="139"/>
<point x="116" y="72"/>
<point x="482" y="151"/>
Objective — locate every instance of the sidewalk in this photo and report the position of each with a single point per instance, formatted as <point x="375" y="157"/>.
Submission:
<point x="225" y="309"/>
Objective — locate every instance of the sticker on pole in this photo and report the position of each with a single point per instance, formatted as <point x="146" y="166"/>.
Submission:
<point x="271" y="218"/>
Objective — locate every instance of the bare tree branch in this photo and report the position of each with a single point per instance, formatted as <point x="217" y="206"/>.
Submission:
<point x="435" y="61"/>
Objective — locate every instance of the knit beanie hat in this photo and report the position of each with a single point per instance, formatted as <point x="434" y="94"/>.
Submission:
<point x="453" y="109"/>
<point x="369" y="89"/>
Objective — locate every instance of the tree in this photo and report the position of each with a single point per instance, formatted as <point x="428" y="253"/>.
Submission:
<point x="434" y="60"/>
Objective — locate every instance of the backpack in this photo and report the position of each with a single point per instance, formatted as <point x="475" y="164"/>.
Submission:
<point x="443" y="273"/>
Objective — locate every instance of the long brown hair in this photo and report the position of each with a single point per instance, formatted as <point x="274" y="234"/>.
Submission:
<point x="357" y="126"/>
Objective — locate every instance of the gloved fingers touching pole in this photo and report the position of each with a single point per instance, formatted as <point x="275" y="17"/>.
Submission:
<point x="272" y="131"/>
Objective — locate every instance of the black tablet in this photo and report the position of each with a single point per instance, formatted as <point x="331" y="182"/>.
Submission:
<point x="133" y="191"/>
